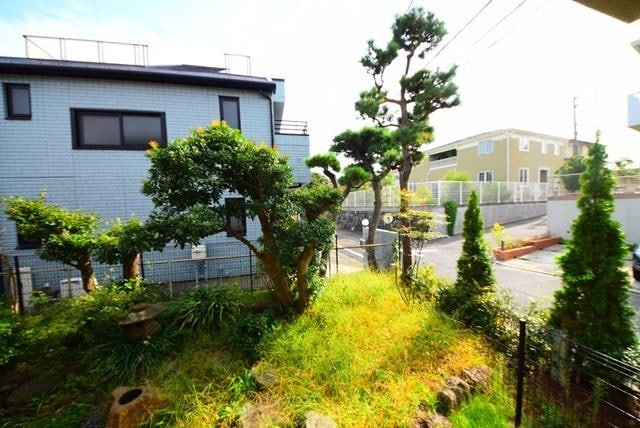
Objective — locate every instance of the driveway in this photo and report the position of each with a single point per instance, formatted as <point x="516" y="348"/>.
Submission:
<point x="533" y="277"/>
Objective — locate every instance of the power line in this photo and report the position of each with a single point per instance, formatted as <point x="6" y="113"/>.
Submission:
<point x="409" y="7"/>
<point x="499" y="22"/>
<point x="473" y="18"/>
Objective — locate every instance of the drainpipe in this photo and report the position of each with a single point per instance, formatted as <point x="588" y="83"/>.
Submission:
<point x="508" y="144"/>
<point x="272" y="126"/>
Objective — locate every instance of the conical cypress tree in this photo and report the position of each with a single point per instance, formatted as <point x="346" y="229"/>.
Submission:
<point x="593" y="304"/>
<point x="475" y="270"/>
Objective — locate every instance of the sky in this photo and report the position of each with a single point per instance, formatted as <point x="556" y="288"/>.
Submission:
<point x="522" y="73"/>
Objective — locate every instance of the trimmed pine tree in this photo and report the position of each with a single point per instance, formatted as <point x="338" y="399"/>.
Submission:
<point x="472" y="297"/>
<point x="593" y="304"/>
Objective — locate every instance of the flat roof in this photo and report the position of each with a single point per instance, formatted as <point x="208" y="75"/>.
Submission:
<point x="181" y="74"/>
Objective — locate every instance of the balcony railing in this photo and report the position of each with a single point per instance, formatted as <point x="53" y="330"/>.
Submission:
<point x="441" y="163"/>
<point x="292" y="127"/>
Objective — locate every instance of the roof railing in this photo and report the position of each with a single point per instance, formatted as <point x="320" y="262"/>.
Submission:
<point x="65" y="48"/>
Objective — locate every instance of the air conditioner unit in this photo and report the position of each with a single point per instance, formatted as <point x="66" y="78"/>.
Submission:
<point x="26" y="279"/>
<point x="71" y="287"/>
<point x="199" y="252"/>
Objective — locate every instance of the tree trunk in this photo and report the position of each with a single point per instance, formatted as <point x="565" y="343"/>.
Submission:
<point x="279" y="280"/>
<point x="89" y="281"/>
<point x="131" y="267"/>
<point x="302" y="283"/>
<point x="376" y="184"/>
<point x="405" y="221"/>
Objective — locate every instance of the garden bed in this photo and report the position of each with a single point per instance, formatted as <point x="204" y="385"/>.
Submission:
<point x="526" y="246"/>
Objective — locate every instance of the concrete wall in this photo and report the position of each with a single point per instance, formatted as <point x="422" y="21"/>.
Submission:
<point x="562" y="211"/>
<point x="350" y="219"/>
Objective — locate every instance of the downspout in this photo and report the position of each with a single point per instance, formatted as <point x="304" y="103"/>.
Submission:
<point x="272" y="127"/>
<point x="508" y="144"/>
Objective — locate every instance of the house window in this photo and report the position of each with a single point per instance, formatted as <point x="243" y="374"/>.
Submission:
<point x="524" y="145"/>
<point x="26" y="243"/>
<point x="485" y="176"/>
<point x="543" y="175"/>
<point x="18" y="101"/>
<point x="543" y="147"/>
<point x="230" y="111"/>
<point x="236" y="216"/>
<point x="485" y="147"/>
<point x="556" y="149"/>
<point x="118" y="130"/>
<point x="523" y="174"/>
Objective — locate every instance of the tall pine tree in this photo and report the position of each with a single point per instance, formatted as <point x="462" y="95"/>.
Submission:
<point x="593" y="304"/>
<point x="470" y="299"/>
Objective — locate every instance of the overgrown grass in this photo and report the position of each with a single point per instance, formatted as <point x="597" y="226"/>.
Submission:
<point x="359" y="355"/>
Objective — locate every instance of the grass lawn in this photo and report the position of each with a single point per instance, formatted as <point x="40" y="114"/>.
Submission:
<point x="359" y="355"/>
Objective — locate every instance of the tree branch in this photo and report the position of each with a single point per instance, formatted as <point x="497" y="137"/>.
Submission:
<point x="235" y="234"/>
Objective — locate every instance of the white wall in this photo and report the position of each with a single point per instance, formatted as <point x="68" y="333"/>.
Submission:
<point x="562" y="212"/>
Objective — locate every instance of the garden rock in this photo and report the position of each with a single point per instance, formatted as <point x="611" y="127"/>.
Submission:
<point x="24" y="393"/>
<point x="258" y="416"/>
<point x="477" y="377"/>
<point x="459" y="387"/>
<point x="265" y="379"/>
<point x="129" y="406"/>
<point x="316" y="420"/>
<point x="447" y="401"/>
<point x="437" y="420"/>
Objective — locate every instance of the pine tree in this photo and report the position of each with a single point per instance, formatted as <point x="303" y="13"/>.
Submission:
<point x="475" y="270"/>
<point x="472" y="296"/>
<point x="593" y="304"/>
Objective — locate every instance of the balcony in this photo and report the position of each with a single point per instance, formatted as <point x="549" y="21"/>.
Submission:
<point x="634" y="111"/>
<point x="443" y="163"/>
<point x="291" y="127"/>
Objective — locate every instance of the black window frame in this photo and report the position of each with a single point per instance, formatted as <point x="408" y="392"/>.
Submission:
<point x="8" y="87"/>
<point x="228" y="215"/>
<point x="76" y="124"/>
<point x="221" y="99"/>
<point x="26" y="243"/>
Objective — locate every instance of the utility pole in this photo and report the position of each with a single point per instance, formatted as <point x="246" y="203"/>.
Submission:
<point x="575" y="127"/>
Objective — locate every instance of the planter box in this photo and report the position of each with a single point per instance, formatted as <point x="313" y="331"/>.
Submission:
<point x="503" y="255"/>
<point x="544" y="242"/>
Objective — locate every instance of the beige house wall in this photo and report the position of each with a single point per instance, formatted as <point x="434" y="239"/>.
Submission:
<point x="534" y="159"/>
<point x="470" y="161"/>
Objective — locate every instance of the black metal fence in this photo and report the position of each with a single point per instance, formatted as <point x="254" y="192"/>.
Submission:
<point x="548" y="380"/>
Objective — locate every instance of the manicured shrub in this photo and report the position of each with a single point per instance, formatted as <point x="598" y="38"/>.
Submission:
<point x="251" y="331"/>
<point x="209" y="308"/>
<point x="451" y="212"/>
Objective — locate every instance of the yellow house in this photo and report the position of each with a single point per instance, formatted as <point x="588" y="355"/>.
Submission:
<point x="510" y="155"/>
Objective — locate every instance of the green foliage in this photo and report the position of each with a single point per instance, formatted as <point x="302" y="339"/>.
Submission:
<point x="571" y="169"/>
<point x="252" y="330"/>
<point x="455" y="175"/>
<point x="324" y="160"/>
<point x="117" y="359"/>
<point x="593" y="304"/>
<point x="10" y="346"/>
<point x="187" y="182"/>
<point x="424" y="285"/>
<point x="451" y="212"/>
<point x="501" y="236"/>
<point x="209" y="309"/>
<point x="472" y="296"/>
<point x="483" y="412"/>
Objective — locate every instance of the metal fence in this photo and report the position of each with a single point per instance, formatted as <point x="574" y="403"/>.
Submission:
<point x="438" y="192"/>
<point x="569" y="185"/>
<point x="549" y="380"/>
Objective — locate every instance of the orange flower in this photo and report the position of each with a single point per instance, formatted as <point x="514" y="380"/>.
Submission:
<point x="153" y="144"/>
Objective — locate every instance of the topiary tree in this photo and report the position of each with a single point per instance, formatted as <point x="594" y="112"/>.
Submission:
<point x="122" y="243"/>
<point x="454" y="175"/>
<point x="450" y="212"/>
<point x="421" y="92"/>
<point x="374" y="151"/>
<point x="187" y="183"/>
<point x="570" y="172"/>
<point x="474" y="289"/>
<point x="67" y="236"/>
<point x="593" y="304"/>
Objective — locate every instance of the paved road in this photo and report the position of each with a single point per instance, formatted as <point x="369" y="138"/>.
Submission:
<point x="525" y="285"/>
